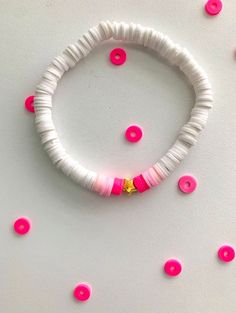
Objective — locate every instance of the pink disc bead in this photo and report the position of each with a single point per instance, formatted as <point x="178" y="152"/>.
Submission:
<point x="118" y="56"/>
<point x="213" y="7"/>
<point x="187" y="184"/>
<point x="22" y="226"/>
<point x="29" y="104"/>
<point x="117" y="186"/>
<point x="226" y="253"/>
<point x="82" y="292"/>
<point x="140" y="183"/>
<point x="103" y="185"/>
<point x="151" y="177"/>
<point x="133" y="133"/>
<point x="172" y="267"/>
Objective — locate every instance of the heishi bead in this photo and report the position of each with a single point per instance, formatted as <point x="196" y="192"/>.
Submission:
<point x="140" y="183"/>
<point x="117" y="187"/>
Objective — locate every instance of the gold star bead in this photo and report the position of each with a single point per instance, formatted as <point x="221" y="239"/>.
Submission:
<point x="129" y="186"/>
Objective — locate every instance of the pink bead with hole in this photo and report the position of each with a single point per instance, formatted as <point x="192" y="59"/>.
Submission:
<point x="118" y="56"/>
<point x="82" y="292"/>
<point x="29" y="104"/>
<point x="213" y="7"/>
<point x="226" y="253"/>
<point x="172" y="267"/>
<point x="22" y="226"/>
<point x="133" y="133"/>
<point x="187" y="184"/>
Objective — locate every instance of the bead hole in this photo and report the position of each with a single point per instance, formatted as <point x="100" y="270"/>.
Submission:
<point x="117" y="56"/>
<point x="187" y="184"/>
<point x="226" y="253"/>
<point x="133" y="134"/>
<point x="214" y="5"/>
<point x="21" y="227"/>
<point x="172" y="268"/>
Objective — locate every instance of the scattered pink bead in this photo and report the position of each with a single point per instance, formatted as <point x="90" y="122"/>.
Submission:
<point x="118" y="56"/>
<point x="82" y="292"/>
<point x="133" y="133"/>
<point x="172" y="267"/>
<point x="187" y="184"/>
<point x="226" y="253"/>
<point x="22" y="226"/>
<point x="213" y="7"/>
<point x="29" y="104"/>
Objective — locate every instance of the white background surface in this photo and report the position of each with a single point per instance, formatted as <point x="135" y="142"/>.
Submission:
<point x="118" y="245"/>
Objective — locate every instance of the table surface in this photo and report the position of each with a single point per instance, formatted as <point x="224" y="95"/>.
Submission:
<point x="118" y="245"/>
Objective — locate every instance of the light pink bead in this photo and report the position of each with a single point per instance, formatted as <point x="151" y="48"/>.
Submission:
<point x="140" y="183"/>
<point x="159" y="172"/>
<point x="155" y="177"/>
<point x="22" y="226"/>
<point x="117" y="186"/>
<point x="103" y="185"/>
<point x="146" y="178"/>
<point x="99" y="184"/>
<point x="151" y="177"/>
<point x="109" y="185"/>
<point x="172" y="267"/>
<point x="226" y="253"/>
<point x="82" y="292"/>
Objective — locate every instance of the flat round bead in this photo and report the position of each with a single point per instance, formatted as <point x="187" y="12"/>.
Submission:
<point x="29" y="104"/>
<point x="118" y="56"/>
<point x="226" y="253"/>
<point x="140" y="183"/>
<point x="172" y="267"/>
<point x="82" y="292"/>
<point x="117" y="186"/>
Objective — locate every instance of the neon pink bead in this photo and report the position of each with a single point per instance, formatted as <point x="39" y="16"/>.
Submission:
<point x="118" y="186"/>
<point x="29" y="104"/>
<point x="172" y="267"/>
<point x="118" y="56"/>
<point x="22" y="226"/>
<point x="140" y="183"/>
<point x="187" y="184"/>
<point x="133" y="133"/>
<point x="226" y="253"/>
<point x="82" y="292"/>
<point x="213" y="7"/>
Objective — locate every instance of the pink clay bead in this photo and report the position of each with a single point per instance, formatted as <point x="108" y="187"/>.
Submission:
<point x="155" y="178"/>
<point x="159" y="172"/>
<point x="117" y="186"/>
<point x="151" y="177"/>
<point x="140" y="183"/>
<point x="147" y="178"/>
<point x="109" y="182"/>
<point x="104" y="185"/>
<point x="99" y="184"/>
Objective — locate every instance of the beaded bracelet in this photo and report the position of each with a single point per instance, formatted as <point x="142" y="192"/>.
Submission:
<point x="187" y="136"/>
